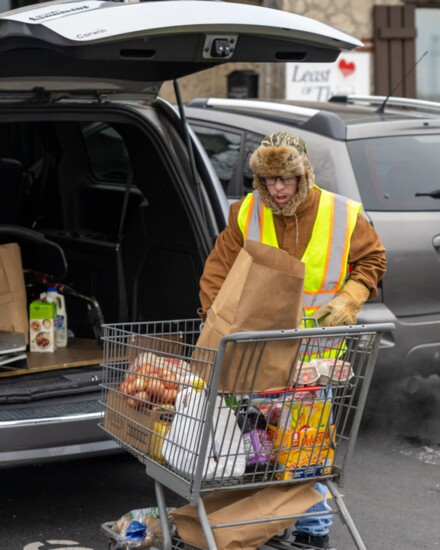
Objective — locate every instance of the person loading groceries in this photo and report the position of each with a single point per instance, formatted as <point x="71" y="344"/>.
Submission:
<point x="343" y="254"/>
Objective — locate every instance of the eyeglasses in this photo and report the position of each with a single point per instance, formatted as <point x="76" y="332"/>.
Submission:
<point x="285" y="181"/>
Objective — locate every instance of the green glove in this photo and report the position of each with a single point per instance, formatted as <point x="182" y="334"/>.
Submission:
<point x="343" y="309"/>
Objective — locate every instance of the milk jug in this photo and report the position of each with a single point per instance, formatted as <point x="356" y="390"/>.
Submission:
<point x="61" y="318"/>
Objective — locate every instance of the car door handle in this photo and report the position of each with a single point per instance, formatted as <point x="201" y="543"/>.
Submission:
<point x="436" y="241"/>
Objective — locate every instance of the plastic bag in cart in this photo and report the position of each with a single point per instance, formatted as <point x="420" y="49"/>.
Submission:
<point x="181" y="449"/>
<point x="139" y="529"/>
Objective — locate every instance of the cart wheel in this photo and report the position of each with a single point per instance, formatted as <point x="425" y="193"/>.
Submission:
<point x="180" y="545"/>
<point x="278" y="543"/>
<point x="281" y="540"/>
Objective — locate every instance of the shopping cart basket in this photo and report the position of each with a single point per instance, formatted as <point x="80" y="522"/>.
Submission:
<point x="204" y="420"/>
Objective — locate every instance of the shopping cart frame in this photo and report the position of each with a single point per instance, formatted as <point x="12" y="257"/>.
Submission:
<point x="192" y="490"/>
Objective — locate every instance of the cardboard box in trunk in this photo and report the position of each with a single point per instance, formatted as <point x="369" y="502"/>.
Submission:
<point x="13" y="304"/>
<point x="141" y="428"/>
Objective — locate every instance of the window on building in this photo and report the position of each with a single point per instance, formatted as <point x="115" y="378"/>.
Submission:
<point x="428" y="40"/>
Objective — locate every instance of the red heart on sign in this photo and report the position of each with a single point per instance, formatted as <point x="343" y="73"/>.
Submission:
<point x="346" y="68"/>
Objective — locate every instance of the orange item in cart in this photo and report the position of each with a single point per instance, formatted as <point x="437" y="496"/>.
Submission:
<point x="290" y="415"/>
<point x="302" y="437"/>
<point x="311" y="454"/>
<point x="150" y="379"/>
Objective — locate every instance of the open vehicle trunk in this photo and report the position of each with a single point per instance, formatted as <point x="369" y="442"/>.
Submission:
<point x="105" y="189"/>
<point x="100" y="167"/>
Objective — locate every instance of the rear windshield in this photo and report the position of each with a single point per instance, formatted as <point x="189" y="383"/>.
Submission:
<point x="391" y="170"/>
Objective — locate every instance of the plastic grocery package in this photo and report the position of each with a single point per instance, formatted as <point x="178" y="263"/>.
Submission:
<point x="138" y="529"/>
<point x="182" y="445"/>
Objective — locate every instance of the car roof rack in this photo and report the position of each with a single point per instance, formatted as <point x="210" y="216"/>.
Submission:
<point x="403" y="102"/>
<point x="253" y="104"/>
<point x="314" y="120"/>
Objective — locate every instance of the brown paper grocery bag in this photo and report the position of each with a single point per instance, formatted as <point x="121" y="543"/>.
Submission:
<point x="231" y="506"/>
<point x="13" y="304"/>
<point x="263" y="291"/>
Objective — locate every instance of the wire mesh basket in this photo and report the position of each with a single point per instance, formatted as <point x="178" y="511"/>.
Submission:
<point x="203" y="419"/>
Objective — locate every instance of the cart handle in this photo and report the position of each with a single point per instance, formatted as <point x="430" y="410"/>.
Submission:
<point x="282" y="334"/>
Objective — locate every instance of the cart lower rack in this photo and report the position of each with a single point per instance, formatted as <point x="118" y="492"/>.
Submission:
<point x="266" y="410"/>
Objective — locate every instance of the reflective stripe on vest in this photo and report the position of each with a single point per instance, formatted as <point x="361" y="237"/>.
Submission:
<point x="326" y="255"/>
<point x="256" y="221"/>
<point x="328" y="249"/>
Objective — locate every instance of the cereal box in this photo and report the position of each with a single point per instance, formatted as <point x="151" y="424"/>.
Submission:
<point x="311" y="454"/>
<point x="303" y="437"/>
<point x="291" y="416"/>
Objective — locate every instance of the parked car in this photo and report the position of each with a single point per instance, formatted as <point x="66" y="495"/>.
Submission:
<point x="383" y="152"/>
<point x="96" y="168"/>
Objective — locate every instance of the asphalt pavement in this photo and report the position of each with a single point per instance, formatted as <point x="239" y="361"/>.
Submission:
<point x="392" y="491"/>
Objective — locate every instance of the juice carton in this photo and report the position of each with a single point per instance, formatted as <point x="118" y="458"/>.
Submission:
<point x="42" y="317"/>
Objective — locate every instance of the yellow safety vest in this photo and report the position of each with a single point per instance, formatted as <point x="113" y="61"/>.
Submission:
<point x="326" y="255"/>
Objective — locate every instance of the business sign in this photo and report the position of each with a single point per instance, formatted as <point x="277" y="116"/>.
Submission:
<point x="349" y="74"/>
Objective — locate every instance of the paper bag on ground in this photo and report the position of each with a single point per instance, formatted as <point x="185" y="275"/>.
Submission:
<point x="13" y="304"/>
<point x="263" y="291"/>
<point x="231" y="506"/>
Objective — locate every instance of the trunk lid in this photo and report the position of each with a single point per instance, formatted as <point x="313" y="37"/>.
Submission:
<point x="108" y="46"/>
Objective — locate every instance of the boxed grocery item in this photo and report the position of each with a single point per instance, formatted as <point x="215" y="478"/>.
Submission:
<point x="288" y="416"/>
<point x="42" y="317"/>
<point x="322" y="372"/>
<point x="311" y="454"/>
<point x="302" y="437"/>
<point x="142" y="428"/>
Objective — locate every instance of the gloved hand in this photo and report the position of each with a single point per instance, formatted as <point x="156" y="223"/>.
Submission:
<point x="343" y="309"/>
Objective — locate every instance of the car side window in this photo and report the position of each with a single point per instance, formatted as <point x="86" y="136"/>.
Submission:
<point x="323" y="165"/>
<point x="107" y="152"/>
<point x="398" y="173"/>
<point x="223" y="149"/>
<point x="252" y="141"/>
<point x="110" y="168"/>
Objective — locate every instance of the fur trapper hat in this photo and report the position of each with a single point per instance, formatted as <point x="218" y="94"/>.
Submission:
<point x="283" y="155"/>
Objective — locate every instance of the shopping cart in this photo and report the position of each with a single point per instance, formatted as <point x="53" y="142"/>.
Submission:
<point x="204" y="421"/>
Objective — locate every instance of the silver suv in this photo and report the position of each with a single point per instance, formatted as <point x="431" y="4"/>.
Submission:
<point x="384" y="152"/>
<point x="105" y="188"/>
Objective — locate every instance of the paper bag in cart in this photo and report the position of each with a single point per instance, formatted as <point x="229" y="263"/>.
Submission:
<point x="13" y="304"/>
<point x="246" y="505"/>
<point x="263" y="291"/>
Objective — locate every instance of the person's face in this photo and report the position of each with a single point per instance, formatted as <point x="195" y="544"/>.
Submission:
<point x="282" y="190"/>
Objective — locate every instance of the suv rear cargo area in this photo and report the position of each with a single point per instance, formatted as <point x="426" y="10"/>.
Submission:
<point x="102" y="191"/>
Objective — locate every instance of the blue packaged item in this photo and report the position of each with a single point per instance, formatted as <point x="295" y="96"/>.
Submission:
<point x="135" y="531"/>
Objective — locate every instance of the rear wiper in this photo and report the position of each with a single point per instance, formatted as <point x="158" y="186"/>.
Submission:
<point x="434" y="194"/>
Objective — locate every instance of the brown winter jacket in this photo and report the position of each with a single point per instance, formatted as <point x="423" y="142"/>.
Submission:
<point x="366" y="257"/>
